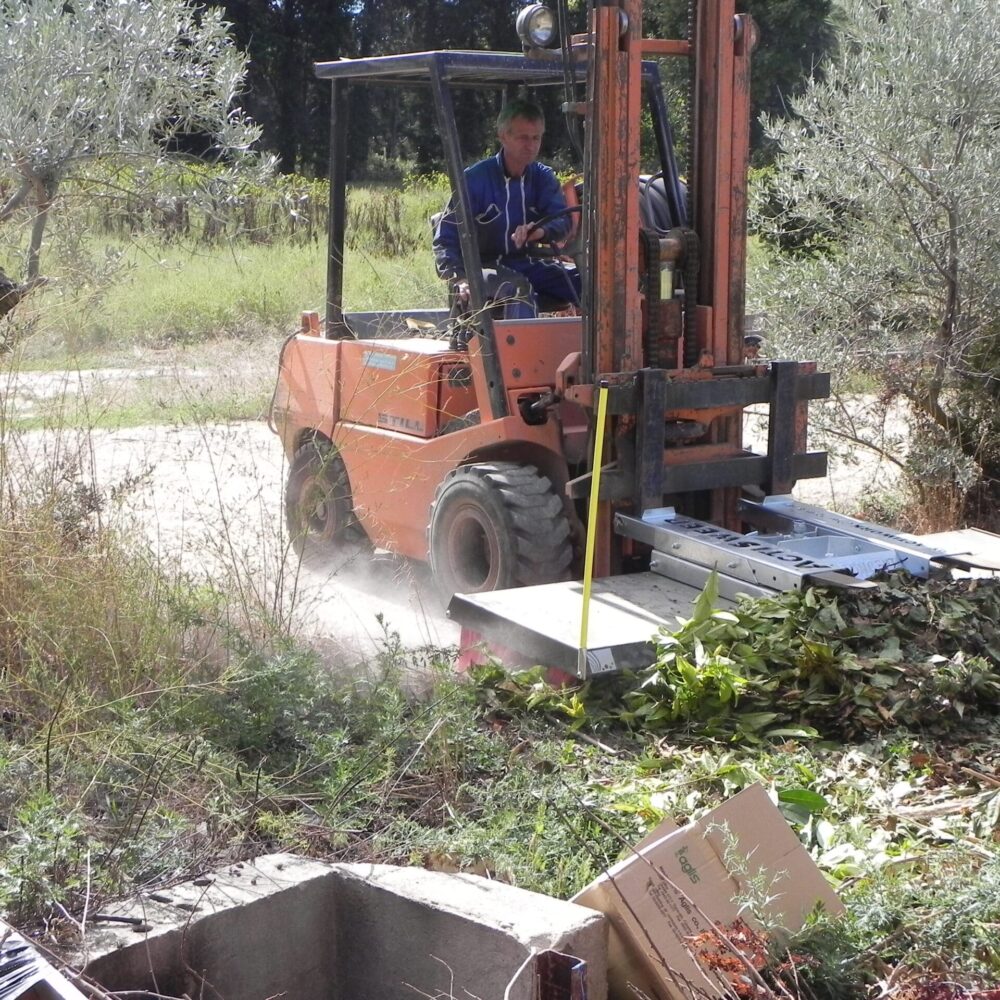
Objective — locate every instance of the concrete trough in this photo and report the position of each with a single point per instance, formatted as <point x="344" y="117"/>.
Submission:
<point x="284" y="926"/>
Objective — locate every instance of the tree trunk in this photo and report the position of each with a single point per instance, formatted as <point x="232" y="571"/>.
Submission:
<point x="15" y="201"/>
<point x="10" y="294"/>
<point x="289" y="89"/>
<point x="45" y="192"/>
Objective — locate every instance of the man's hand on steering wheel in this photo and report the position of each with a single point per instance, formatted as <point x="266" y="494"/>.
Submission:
<point x="527" y="233"/>
<point x="535" y="233"/>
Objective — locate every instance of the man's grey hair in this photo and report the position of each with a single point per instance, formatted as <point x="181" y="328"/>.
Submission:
<point x="519" y="108"/>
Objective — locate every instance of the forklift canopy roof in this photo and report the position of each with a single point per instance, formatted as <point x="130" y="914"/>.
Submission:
<point x="461" y="68"/>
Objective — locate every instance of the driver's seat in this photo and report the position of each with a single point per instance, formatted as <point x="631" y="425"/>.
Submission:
<point x="508" y="293"/>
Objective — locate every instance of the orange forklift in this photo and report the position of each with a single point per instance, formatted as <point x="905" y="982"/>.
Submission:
<point x="564" y="468"/>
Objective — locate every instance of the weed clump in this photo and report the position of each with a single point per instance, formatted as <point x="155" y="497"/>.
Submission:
<point x="83" y="621"/>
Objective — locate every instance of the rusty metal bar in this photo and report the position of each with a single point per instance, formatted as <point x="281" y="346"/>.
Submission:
<point x="781" y="428"/>
<point x="744" y="43"/>
<point x="720" y="261"/>
<point x="560" y="977"/>
<point x="335" y="328"/>
<point x="611" y="194"/>
<point x="650" y="439"/>
<point x="665" y="47"/>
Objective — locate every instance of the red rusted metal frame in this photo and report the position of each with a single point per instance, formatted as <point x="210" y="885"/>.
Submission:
<point x="614" y="259"/>
<point x="740" y="152"/>
<point x="725" y="503"/>
<point x="631" y="163"/>
<point x="713" y="166"/>
<point x="721" y="157"/>
<point x="721" y="48"/>
<point x="612" y="199"/>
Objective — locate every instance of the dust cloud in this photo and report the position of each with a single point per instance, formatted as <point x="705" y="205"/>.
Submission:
<point x="207" y="500"/>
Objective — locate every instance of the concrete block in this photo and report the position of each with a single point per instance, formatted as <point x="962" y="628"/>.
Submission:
<point x="403" y="932"/>
<point x="286" y="926"/>
<point x="258" y="930"/>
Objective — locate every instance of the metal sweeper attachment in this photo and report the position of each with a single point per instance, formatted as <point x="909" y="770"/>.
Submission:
<point x="796" y="545"/>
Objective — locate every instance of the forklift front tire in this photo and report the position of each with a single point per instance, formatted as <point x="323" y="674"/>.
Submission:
<point x="495" y="526"/>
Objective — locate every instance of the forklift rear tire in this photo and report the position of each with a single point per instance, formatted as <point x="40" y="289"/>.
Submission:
<point x="319" y="510"/>
<point x="495" y="526"/>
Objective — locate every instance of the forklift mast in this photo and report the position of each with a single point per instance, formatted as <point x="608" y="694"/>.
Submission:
<point x="719" y="152"/>
<point x="713" y="249"/>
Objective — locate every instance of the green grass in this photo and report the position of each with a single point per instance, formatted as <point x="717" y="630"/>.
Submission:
<point x="232" y="290"/>
<point x="111" y="417"/>
<point x="149" y="732"/>
<point x="167" y="296"/>
<point x="109" y="299"/>
<point x="210" y="325"/>
<point x="179" y="386"/>
<point x="152" y="727"/>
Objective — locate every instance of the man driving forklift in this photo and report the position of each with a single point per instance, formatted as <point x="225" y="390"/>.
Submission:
<point x="511" y="193"/>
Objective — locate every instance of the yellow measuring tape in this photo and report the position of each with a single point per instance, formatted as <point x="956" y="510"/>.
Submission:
<point x="588" y="559"/>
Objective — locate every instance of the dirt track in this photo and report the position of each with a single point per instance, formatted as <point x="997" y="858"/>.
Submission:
<point x="212" y="499"/>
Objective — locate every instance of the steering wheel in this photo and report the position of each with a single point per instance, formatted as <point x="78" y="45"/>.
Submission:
<point x="552" y="216"/>
<point x="546" y="248"/>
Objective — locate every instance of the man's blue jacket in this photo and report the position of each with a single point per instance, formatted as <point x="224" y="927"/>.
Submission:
<point x="500" y="204"/>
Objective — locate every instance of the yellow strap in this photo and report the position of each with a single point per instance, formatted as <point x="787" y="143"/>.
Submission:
<point x="588" y="559"/>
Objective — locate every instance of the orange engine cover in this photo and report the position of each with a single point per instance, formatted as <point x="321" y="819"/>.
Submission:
<point x="411" y="386"/>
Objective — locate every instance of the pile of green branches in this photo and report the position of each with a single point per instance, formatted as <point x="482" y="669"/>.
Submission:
<point x="913" y="653"/>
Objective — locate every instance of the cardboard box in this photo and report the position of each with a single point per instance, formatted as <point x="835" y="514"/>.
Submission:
<point x="688" y="881"/>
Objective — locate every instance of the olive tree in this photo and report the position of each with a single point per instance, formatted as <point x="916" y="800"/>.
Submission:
<point x="883" y="217"/>
<point x="96" y="79"/>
